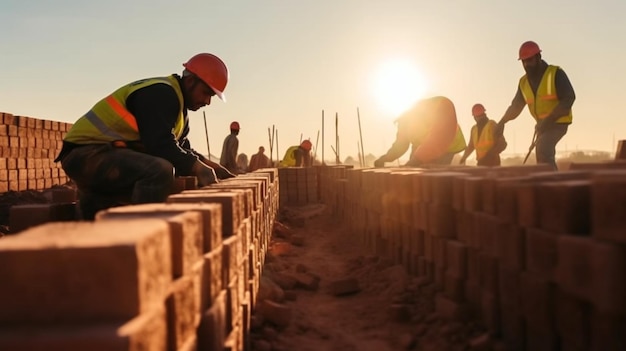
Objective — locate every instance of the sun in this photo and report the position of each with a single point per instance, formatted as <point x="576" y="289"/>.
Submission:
<point x="398" y="83"/>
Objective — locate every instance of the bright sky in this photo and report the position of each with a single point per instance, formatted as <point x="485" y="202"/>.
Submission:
<point x="289" y="60"/>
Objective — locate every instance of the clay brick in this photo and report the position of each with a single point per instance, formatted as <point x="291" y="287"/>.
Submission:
<point x="231" y="258"/>
<point x="185" y="230"/>
<point x="488" y="270"/>
<point x="440" y="221"/>
<point x="608" y="199"/>
<point x="22" y="217"/>
<point x="212" y="329"/>
<point x="473" y="191"/>
<point x="232" y="206"/>
<point x="541" y="253"/>
<point x="609" y="269"/>
<point x="456" y="256"/>
<point x="473" y="265"/>
<point x="509" y="286"/>
<point x="574" y="273"/>
<point x="511" y="246"/>
<point x="255" y="186"/>
<point x="465" y="226"/>
<point x="454" y="287"/>
<point x="564" y="206"/>
<point x="538" y="305"/>
<point x="506" y="198"/>
<point x="211" y="217"/>
<point x="439" y="252"/>
<point x="182" y="312"/>
<point x="487" y="228"/>
<point x="147" y="331"/>
<point x="490" y="312"/>
<point x="527" y="209"/>
<point x="442" y="186"/>
<point x="573" y="322"/>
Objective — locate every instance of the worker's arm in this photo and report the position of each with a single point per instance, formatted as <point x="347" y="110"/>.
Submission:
<point x="468" y="151"/>
<point x="156" y="108"/>
<point x="221" y="172"/>
<point x="398" y="148"/>
<point x="565" y="94"/>
<point x="514" y="110"/>
<point x="440" y="136"/>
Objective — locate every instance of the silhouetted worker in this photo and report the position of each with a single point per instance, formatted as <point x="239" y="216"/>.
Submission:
<point x="431" y="127"/>
<point x="298" y="155"/>
<point x="259" y="160"/>
<point x="547" y="91"/>
<point x="228" y="158"/>
<point x="242" y="163"/>
<point x="485" y="139"/>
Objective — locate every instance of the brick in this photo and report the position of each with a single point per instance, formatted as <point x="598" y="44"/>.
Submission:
<point x="183" y="315"/>
<point x="509" y="286"/>
<point x="440" y="223"/>
<point x="564" y="206"/>
<point x="487" y="228"/>
<point x="573" y="322"/>
<point x="527" y="209"/>
<point x="231" y="258"/>
<point x="538" y="305"/>
<point x="79" y="257"/>
<point x="212" y="329"/>
<point x="232" y="205"/>
<point x="541" y="253"/>
<point x="490" y="312"/>
<point x="608" y="197"/>
<point x="506" y="198"/>
<point x="465" y="226"/>
<point x="211" y="217"/>
<point x="456" y="256"/>
<point x="574" y="273"/>
<point x="454" y="287"/>
<point x="488" y="270"/>
<point x="609" y="269"/>
<point x="22" y="217"/>
<point x="473" y="192"/>
<point x="607" y="332"/>
<point x="147" y="331"/>
<point x="442" y="186"/>
<point x="511" y="246"/>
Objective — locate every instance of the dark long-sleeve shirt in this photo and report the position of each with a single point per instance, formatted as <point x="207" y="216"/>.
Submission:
<point x="228" y="158"/>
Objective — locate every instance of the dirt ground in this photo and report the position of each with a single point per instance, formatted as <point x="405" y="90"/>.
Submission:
<point x="390" y="310"/>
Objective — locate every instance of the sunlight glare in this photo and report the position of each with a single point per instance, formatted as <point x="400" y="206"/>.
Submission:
<point x="397" y="85"/>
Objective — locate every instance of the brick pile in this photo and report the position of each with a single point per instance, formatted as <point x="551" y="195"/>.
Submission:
<point x="538" y="256"/>
<point x="28" y="147"/>
<point x="298" y="186"/>
<point x="181" y="275"/>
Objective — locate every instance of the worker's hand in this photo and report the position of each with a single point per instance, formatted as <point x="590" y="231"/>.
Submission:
<point x="379" y="163"/>
<point x="205" y="174"/>
<point x="223" y="173"/>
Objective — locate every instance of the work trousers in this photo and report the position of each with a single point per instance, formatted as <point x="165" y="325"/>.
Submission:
<point x="546" y="144"/>
<point x="107" y="176"/>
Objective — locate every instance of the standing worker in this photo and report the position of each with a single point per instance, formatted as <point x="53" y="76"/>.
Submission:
<point x="547" y="91"/>
<point x="298" y="155"/>
<point x="229" y="149"/>
<point x="485" y="139"/>
<point x="259" y="160"/>
<point x="431" y="127"/>
<point x="126" y="149"/>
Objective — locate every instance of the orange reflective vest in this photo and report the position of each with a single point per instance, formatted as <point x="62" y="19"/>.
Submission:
<point x="485" y="141"/>
<point x="546" y="100"/>
<point x="109" y="119"/>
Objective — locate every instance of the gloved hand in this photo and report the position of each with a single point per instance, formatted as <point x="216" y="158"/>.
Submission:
<point x="205" y="174"/>
<point x="379" y="163"/>
<point x="223" y="173"/>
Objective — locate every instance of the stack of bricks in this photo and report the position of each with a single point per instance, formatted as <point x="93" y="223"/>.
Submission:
<point x="537" y="255"/>
<point x="333" y="186"/>
<point x="298" y="186"/>
<point x="177" y="276"/>
<point x="28" y="147"/>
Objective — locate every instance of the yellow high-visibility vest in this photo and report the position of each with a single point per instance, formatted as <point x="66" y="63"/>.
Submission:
<point x="289" y="160"/>
<point x="483" y="142"/>
<point x="546" y="100"/>
<point x="109" y="119"/>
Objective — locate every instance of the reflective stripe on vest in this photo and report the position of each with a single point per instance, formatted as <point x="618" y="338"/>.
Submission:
<point x="109" y="119"/>
<point x="485" y="141"/>
<point x="546" y="99"/>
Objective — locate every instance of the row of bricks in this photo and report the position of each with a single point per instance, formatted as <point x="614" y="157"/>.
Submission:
<point x="30" y="173"/>
<point x="38" y="133"/>
<point x="23" y="152"/>
<point x="105" y="214"/>
<point x="31" y="142"/>
<point x="27" y="163"/>
<point x="31" y="184"/>
<point x="31" y="122"/>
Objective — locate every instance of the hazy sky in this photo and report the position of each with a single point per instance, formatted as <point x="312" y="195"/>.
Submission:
<point x="291" y="59"/>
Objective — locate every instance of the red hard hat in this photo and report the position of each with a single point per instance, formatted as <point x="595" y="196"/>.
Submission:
<point x="478" y="110"/>
<point x="234" y="125"/>
<point x="212" y="70"/>
<point x="306" y="145"/>
<point x="528" y="50"/>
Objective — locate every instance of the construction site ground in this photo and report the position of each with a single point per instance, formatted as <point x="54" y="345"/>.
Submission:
<point x="390" y="310"/>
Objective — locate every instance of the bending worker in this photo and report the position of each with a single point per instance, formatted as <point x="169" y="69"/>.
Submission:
<point x="126" y="149"/>
<point x="259" y="160"/>
<point x="485" y="139"/>
<point x="547" y="91"/>
<point x="298" y="155"/>
<point x="431" y="127"/>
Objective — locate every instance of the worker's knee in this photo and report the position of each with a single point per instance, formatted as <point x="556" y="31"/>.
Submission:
<point x="162" y="171"/>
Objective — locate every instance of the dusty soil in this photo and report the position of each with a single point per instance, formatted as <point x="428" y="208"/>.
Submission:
<point x="390" y="311"/>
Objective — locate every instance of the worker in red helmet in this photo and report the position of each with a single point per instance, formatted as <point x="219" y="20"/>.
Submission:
<point x="298" y="155"/>
<point x="259" y="160"/>
<point x="129" y="146"/>
<point x="228" y="159"/>
<point x="431" y="128"/>
<point x="485" y="139"/>
<point x="547" y="91"/>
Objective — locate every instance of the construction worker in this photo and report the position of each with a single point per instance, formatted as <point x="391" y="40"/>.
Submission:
<point x="242" y="163"/>
<point x="298" y="155"/>
<point x="485" y="139"/>
<point x="431" y="127"/>
<point x="547" y="91"/>
<point x="259" y="160"/>
<point x="229" y="148"/>
<point x="126" y="149"/>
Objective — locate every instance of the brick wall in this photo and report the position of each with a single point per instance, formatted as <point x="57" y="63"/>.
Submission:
<point x="539" y="256"/>
<point x="28" y="147"/>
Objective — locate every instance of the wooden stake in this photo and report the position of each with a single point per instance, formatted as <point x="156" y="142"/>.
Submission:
<point x="206" y="133"/>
